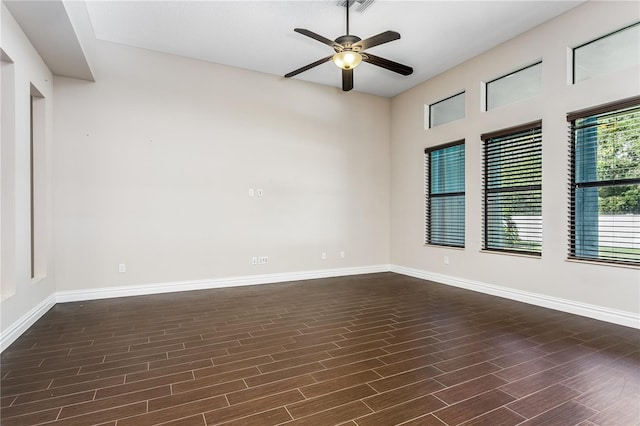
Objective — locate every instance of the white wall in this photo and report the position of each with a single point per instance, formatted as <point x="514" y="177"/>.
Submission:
<point x="22" y="294"/>
<point x="610" y="287"/>
<point x="153" y="163"/>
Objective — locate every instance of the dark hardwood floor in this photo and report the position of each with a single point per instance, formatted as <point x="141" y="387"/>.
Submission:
<point x="380" y="349"/>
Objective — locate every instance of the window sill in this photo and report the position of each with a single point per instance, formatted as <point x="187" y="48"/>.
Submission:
<point x="510" y="253"/>
<point x="602" y="263"/>
<point x="444" y="247"/>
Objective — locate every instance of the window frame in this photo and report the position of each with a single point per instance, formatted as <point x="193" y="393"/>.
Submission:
<point x="573" y="185"/>
<point x="486" y="139"/>
<point x="429" y="195"/>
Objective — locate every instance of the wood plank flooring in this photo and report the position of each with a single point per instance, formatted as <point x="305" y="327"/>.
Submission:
<point x="379" y="349"/>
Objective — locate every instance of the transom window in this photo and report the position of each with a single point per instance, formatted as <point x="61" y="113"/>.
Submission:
<point x="612" y="52"/>
<point x="516" y="86"/>
<point x="446" y="110"/>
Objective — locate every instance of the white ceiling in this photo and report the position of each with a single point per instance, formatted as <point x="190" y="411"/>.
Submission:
<point x="259" y="36"/>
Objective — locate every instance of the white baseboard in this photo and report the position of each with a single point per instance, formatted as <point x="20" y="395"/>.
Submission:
<point x="7" y="337"/>
<point x="628" y="319"/>
<point x="138" y="290"/>
<point x="16" y="329"/>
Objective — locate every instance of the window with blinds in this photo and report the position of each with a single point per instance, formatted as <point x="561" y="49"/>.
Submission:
<point x="605" y="183"/>
<point x="513" y="189"/>
<point x="445" y="205"/>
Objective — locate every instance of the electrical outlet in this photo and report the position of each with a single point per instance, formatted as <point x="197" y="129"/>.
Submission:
<point x="341" y="255"/>
<point x="323" y="255"/>
<point x="446" y="260"/>
<point x="263" y="259"/>
<point x="122" y="267"/>
<point x="260" y="192"/>
<point x="254" y="260"/>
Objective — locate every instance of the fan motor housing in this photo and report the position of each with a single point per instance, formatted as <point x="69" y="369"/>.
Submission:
<point x="347" y="40"/>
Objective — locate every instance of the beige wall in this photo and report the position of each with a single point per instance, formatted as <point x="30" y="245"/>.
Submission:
<point x="153" y="163"/>
<point x="610" y="287"/>
<point x="24" y="68"/>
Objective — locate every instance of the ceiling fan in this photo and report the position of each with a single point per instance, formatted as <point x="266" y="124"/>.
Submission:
<point x="350" y="52"/>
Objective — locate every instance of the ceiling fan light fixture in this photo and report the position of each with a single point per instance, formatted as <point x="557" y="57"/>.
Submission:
<point x="348" y="54"/>
<point x="347" y="59"/>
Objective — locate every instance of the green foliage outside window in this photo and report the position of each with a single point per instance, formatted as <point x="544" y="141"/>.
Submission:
<point x="619" y="158"/>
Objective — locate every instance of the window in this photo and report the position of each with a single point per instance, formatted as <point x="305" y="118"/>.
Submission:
<point x="613" y="52"/>
<point x="446" y="110"/>
<point x="444" y="172"/>
<point x="605" y="183"/>
<point x="522" y="84"/>
<point x="513" y="189"/>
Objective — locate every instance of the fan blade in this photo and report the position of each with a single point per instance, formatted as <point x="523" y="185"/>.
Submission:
<point x="318" y="37"/>
<point x="376" y="40"/>
<point x="387" y="64"/>
<point x="347" y="80"/>
<point x="308" y="67"/>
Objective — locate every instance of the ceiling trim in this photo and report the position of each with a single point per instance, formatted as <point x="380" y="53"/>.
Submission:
<point x="49" y="27"/>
